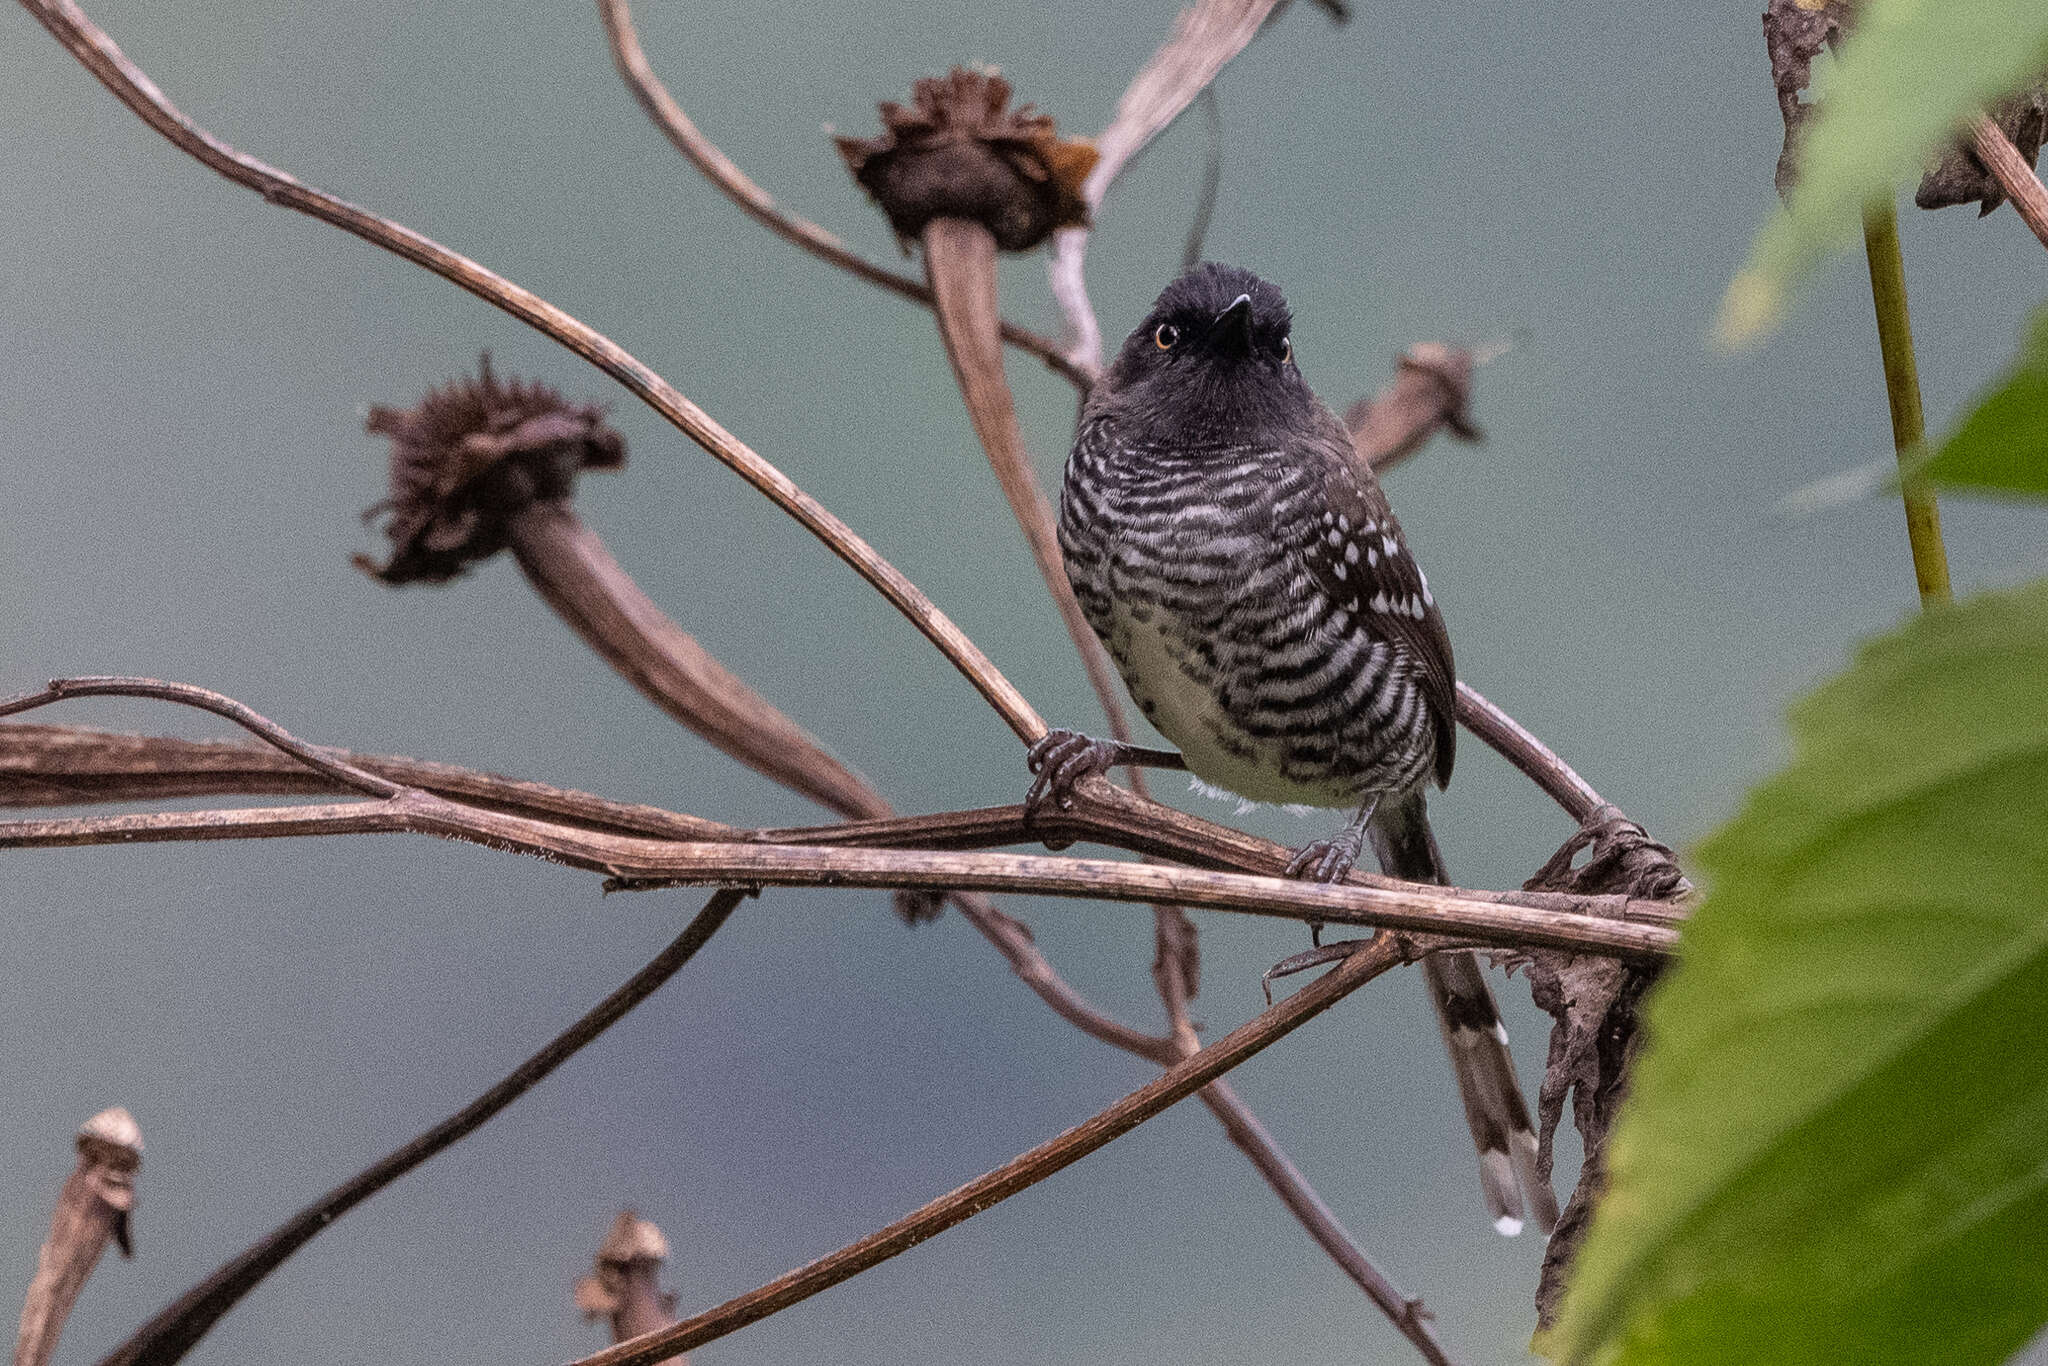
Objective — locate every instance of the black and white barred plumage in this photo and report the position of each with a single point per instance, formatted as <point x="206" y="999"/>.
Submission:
<point x="1259" y="598"/>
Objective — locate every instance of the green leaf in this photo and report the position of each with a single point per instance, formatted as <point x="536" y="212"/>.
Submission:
<point x="1837" y="1145"/>
<point x="1908" y="76"/>
<point x="2002" y="446"/>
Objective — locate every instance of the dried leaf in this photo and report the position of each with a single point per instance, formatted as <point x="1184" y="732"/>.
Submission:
<point x="1593" y="1003"/>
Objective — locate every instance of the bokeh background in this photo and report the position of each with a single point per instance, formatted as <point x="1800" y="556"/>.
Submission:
<point x="186" y="374"/>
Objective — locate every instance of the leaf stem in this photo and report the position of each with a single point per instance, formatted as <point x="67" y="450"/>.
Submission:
<point x="1902" y="388"/>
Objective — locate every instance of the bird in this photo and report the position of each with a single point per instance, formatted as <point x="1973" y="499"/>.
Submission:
<point x="1245" y="572"/>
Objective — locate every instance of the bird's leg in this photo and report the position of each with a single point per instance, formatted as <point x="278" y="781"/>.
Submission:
<point x="1324" y="861"/>
<point x="1062" y="758"/>
<point x="1329" y="860"/>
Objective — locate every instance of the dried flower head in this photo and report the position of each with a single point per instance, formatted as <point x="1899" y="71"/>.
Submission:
<point x="960" y="152"/>
<point x="468" y="458"/>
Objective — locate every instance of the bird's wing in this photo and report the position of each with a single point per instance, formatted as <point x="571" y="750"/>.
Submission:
<point x="1358" y="556"/>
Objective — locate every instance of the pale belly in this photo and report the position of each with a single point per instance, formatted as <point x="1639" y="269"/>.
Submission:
<point x="1185" y="711"/>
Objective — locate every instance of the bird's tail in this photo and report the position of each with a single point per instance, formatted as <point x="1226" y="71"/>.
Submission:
<point x="1474" y="1035"/>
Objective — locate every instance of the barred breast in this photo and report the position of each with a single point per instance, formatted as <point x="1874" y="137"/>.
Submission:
<point x="1253" y="634"/>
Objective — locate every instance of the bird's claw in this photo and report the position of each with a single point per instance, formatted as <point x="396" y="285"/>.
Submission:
<point x="1310" y="958"/>
<point x="1060" y="759"/>
<point x="1323" y="860"/>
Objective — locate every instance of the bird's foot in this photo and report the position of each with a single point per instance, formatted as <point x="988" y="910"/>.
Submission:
<point x="1309" y="958"/>
<point x="1327" y="860"/>
<point x="1059" y="760"/>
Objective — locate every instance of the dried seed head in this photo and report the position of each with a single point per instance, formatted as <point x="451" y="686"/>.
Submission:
<point x="960" y="152"/>
<point x="469" y="457"/>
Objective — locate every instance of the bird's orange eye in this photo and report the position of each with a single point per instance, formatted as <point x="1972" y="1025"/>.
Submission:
<point x="1286" y="349"/>
<point x="1166" y="335"/>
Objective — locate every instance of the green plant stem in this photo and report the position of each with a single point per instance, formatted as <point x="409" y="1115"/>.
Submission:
<point x="1902" y="387"/>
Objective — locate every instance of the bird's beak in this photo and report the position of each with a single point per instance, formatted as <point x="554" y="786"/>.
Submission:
<point x="1231" y="333"/>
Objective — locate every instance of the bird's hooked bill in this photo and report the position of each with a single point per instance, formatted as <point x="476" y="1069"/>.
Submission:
<point x="1232" y="329"/>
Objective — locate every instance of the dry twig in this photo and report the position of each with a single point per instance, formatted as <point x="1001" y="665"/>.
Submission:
<point x="1505" y="920"/>
<point x="92" y="1210"/>
<point x="1105" y="812"/>
<point x="2013" y="174"/>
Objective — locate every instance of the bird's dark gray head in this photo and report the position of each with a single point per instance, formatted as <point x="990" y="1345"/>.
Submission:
<point x="1213" y="359"/>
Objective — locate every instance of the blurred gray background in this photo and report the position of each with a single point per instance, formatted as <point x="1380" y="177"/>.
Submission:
<point x="187" y="374"/>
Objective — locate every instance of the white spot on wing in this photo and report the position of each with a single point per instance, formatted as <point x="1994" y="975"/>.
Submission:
<point x="1351" y="552"/>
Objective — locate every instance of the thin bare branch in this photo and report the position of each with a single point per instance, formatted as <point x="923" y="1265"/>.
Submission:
<point x="1512" y="741"/>
<point x="1250" y="1136"/>
<point x="167" y="1337"/>
<point x="92" y="1211"/>
<point x="2014" y="175"/>
<point x="1012" y="938"/>
<point x="1293" y="1188"/>
<point x="1020" y="1173"/>
<point x="1205" y="37"/>
<point x="34" y="762"/>
<point x="1636" y="929"/>
<point x="185" y="694"/>
<point x="93" y="48"/>
<point x="69" y="765"/>
<point x="756" y="202"/>
<point x="1108" y="815"/>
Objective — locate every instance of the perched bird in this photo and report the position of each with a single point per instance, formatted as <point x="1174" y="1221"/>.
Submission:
<point x="1246" y="574"/>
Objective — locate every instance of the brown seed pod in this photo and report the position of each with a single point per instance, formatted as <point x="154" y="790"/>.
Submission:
<point x="959" y="152"/>
<point x="469" y="457"/>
